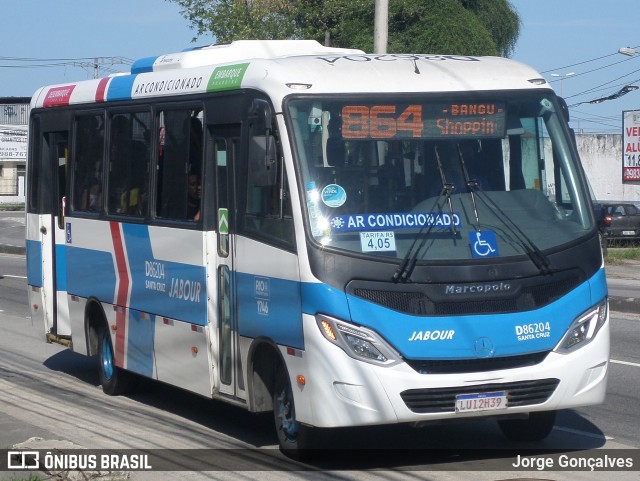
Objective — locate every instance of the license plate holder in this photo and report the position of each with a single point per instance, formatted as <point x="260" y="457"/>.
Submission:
<point x="481" y="401"/>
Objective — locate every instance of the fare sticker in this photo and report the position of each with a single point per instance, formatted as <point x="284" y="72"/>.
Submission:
<point x="378" y="241"/>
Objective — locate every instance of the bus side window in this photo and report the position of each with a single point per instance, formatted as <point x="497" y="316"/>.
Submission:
<point x="264" y="214"/>
<point x="38" y="193"/>
<point x="129" y="149"/>
<point x="49" y="154"/>
<point x="87" y="178"/>
<point x="179" y="180"/>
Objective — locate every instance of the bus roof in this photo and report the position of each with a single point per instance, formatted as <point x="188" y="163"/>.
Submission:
<point x="282" y="67"/>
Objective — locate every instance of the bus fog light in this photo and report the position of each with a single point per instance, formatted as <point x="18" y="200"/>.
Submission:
<point x="584" y="328"/>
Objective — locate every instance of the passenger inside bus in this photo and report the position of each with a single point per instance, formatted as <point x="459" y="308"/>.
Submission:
<point x="92" y="194"/>
<point x="129" y="163"/>
<point x="194" y="194"/>
<point x="134" y="198"/>
<point x="88" y="162"/>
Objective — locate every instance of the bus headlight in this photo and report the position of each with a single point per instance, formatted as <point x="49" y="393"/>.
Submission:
<point x="584" y="328"/>
<point x="358" y="342"/>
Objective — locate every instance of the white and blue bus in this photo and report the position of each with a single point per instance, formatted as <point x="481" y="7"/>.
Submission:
<point x="341" y="238"/>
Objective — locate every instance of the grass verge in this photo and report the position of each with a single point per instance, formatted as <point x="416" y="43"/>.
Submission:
<point x="619" y="255"/>
<point x="11" y="207"/>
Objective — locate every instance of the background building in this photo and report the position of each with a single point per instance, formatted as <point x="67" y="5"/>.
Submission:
<point x="14" y="118"/>
<point x="601" y="156"/>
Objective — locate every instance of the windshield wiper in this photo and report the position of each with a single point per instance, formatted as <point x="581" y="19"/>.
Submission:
<point x="472" y="185"/>
<point x="447" y="189"/>
<point x="404" y="271"/>
<point x="540" y="260"/>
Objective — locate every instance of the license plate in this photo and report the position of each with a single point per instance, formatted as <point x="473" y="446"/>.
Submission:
<point x="628" y="232"/>
<point x="486" y="401"/>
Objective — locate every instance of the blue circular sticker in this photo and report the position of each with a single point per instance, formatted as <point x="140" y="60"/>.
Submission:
<point x="333" y="195"/>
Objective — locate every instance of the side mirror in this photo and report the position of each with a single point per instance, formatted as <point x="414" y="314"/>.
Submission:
<point x="262" y="148"/>
<point x="262" y="111"/>
<point x="262" y="160"/>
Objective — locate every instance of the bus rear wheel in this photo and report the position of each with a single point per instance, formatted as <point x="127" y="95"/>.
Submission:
<point x="295" y="439"/>
<point x="535" y="428"/>
<point x="114" y="380"/>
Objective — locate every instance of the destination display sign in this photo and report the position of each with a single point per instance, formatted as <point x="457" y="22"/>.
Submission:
<point x="424" y="121"/>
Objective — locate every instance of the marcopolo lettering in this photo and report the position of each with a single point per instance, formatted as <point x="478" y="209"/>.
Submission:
<point x="456" y="289"/>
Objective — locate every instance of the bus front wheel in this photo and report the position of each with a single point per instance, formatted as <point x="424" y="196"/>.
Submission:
<point x="294" y="439"/>
<point x="114" y="380"/>
<point x="535" y="428"/>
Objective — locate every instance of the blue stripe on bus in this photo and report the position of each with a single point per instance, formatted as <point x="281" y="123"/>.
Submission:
<point x="321" y="298"/>
<point x="269" y="307"/>
<point x="599" y="288"/>
<point x="120" y="87"/>
<point x="140" y="343"/>
<point x="91" y="273"/>
<point x="34" y="263"/>
<point x="171" y="289"/>
<point x="61" y="267"/>
<point x="143" y="65"/>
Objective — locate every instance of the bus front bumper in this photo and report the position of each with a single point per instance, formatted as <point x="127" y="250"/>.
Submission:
<point x="340" y="391"/>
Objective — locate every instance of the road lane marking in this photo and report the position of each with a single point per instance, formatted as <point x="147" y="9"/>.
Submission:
<point x="626" y="363"/>
<point x="13" y="277"/>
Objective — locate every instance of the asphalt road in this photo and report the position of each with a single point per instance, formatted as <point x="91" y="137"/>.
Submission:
<point x="12" y="232"/>
<point x="52" y="393"/>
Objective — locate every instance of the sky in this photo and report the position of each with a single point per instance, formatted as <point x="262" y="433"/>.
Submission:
<point x="572" y="43"/>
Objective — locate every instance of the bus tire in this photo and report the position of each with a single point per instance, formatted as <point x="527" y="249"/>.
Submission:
<point x="295" y="439"/>
<point x="114" y="380"/>
<point x="535" y="428"/>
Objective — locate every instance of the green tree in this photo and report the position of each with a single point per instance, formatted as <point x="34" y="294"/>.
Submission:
<point x="500" y="19"/>
<point x="462" y="27"/>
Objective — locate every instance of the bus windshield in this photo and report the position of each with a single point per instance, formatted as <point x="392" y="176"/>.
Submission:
<point x="457" y="177"/>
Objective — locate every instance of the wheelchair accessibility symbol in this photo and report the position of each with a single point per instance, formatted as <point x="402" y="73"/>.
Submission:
<point x="483" y="244"/>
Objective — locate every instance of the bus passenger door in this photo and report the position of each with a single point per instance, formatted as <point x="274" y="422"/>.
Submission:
<point x="225" y="147"/>
<point x="45" y="222"/>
